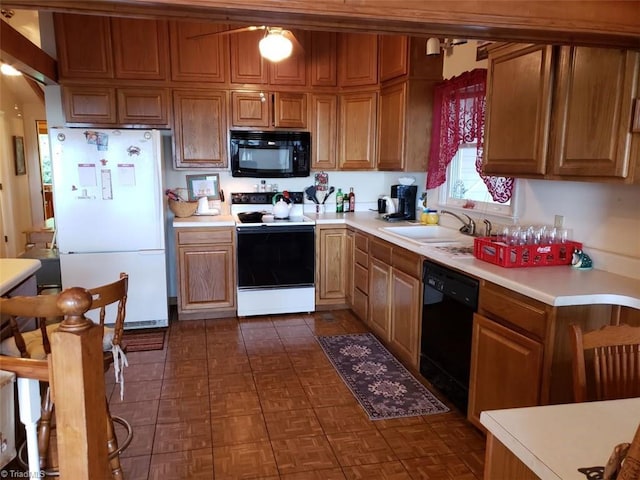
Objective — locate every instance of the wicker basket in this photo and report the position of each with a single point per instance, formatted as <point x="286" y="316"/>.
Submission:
<point x="183" y="209"/>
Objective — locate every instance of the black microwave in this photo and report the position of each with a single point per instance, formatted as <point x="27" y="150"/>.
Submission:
<point x="270" y="154"/>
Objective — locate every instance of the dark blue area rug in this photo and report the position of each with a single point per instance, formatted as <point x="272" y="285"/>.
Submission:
<point x="382" y="385"/>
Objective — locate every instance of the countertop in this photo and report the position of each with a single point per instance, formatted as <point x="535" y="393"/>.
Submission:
<point x="555" y="440"/>
<point x="15" y="270"/>
<point x="556" y="286"/>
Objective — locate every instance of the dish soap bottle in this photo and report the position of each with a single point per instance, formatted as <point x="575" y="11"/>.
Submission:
<point x="339" y="201"/>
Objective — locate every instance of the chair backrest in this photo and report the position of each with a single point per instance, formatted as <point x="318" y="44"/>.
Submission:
<point x="609" y="358"/>
<point x="113" y="293"/>
<point x="40" y="307"/>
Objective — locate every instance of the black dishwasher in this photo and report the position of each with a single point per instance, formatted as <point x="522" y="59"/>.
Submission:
<point x="450" y="300"/>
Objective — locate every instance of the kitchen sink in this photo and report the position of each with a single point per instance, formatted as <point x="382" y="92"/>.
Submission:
<point x="424" y="233"/>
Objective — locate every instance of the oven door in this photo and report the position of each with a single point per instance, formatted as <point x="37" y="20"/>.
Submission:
<point x="275" y="256"/>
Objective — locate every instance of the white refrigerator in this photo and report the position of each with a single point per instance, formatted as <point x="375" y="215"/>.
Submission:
<point x="109" y="215"/>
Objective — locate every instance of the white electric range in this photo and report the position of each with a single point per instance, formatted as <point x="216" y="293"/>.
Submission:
<point x="275" y="257"/>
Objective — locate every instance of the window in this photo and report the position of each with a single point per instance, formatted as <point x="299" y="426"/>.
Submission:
<point x="465" y="189"/>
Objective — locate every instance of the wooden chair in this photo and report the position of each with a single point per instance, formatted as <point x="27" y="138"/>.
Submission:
<point x="35" y="345"/>
<point x="610" y="358"/>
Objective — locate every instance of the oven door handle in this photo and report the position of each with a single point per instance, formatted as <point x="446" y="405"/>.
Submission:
<point x="264" y="228"/>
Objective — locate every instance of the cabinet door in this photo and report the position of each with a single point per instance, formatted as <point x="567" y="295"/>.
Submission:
<point x="83" y="45"/>
<point x="393" y="59"/>
<point x="506" y="369"/>
<point x="332" y="278"/>
<point x="250" y="109"/>
<point x="323" y="59"/>
<point x="324" y="129"/>
<point x="247" y="66"/>
<point x="292" y="70"/>
<point x="140" y="48"/>
<point x="379" y="298"/>
<point x="202" y="59"/>
<point x="349" y="265"/>
<point x="391" y="127"/>
<point x="357" y="59"/>
<point x="405" y="316"/>
<point x="206" y="277"/>
<point x="290" y="110"/>
<point x="200" y="125"/>
<point x="357" y="132"/>
<point x="592" y="111"/>
<point x="144" y="106"/>
<point x="518" y="110"/>
<point x="91" y="105"/>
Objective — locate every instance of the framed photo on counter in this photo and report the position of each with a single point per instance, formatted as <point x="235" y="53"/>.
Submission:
<point x="207" y="184"/>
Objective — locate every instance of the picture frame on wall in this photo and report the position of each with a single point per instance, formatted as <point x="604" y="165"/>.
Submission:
<point x="207" y="184"/>
<point x="18" y="150"/>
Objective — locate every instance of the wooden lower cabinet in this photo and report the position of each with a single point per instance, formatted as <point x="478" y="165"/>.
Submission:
<point x="206" y="272"/>
<point x="379" y="298"/>
<point x="360" y="275"/>
<point x="506" y="369"/>
<point x="331" y="266"/>
<point x="404" y="335"/>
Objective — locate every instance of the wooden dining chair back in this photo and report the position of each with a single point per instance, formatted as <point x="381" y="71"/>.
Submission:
<point x="606" y="362"/>
<point x="113" y="295"/>
<point x="35" y="344"/>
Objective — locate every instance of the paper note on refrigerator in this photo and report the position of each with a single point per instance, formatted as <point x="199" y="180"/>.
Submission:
<point x="107" y="191"/>
<point x="126" y="174"/>
<point x="87" y="174"/>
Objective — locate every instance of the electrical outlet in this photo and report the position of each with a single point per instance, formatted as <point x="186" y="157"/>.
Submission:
<point x="558" y="221"/>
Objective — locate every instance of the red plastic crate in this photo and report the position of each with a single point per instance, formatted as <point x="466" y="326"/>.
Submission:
<point x="489" y="250"/>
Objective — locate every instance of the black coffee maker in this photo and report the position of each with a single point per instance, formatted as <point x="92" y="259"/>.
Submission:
<point x="406" y="195"/>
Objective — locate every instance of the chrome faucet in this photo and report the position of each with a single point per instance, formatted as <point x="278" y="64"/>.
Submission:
<point x="487" y="228"/>
<point x="468" y="227"/>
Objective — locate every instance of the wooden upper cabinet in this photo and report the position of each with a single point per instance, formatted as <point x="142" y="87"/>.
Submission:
<point x="592" y="111"/>
<point x="250" y="109"/>
<point x="391" y="127"/>
<point x="200" y="129"/>
<point x="144" y="106"/>
<point x="293" y="70"/>
<point x="201" y="59"/>
<point x="247" y="66"/>
<point x="357" y="137"/>
<point x="96" y="47"/>
<point x="83" y="46"/>
<point x="290" y="110"/>
<point x="140" y="48"/>
<point x="518" y="110"/>
<point x="324" y="70"/>
<point x="100" y="105"/>
<point x="357" y="59"/>
<point x="393" y="58"/>
<point x="90" y="105"/>
<point x="404" y="125"/>
<point x="324" y="129"/>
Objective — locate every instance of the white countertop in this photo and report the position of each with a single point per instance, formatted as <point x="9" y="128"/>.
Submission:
<point x="555" y="440"/>
<point x="14" y="270"/>
<point x="556" y="286"/>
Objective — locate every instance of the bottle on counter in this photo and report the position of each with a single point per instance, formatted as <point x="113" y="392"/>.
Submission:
<point x="345" y="203"/>
<point x="339" y="201"/>
<point x="352" y="200"/>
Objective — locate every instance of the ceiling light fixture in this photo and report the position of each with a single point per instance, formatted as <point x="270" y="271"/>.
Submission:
<point x="275" y="47"/>
<point x="8" y="70"/>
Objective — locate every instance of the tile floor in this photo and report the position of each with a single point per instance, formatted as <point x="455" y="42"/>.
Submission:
<point x="256" y="398"/>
